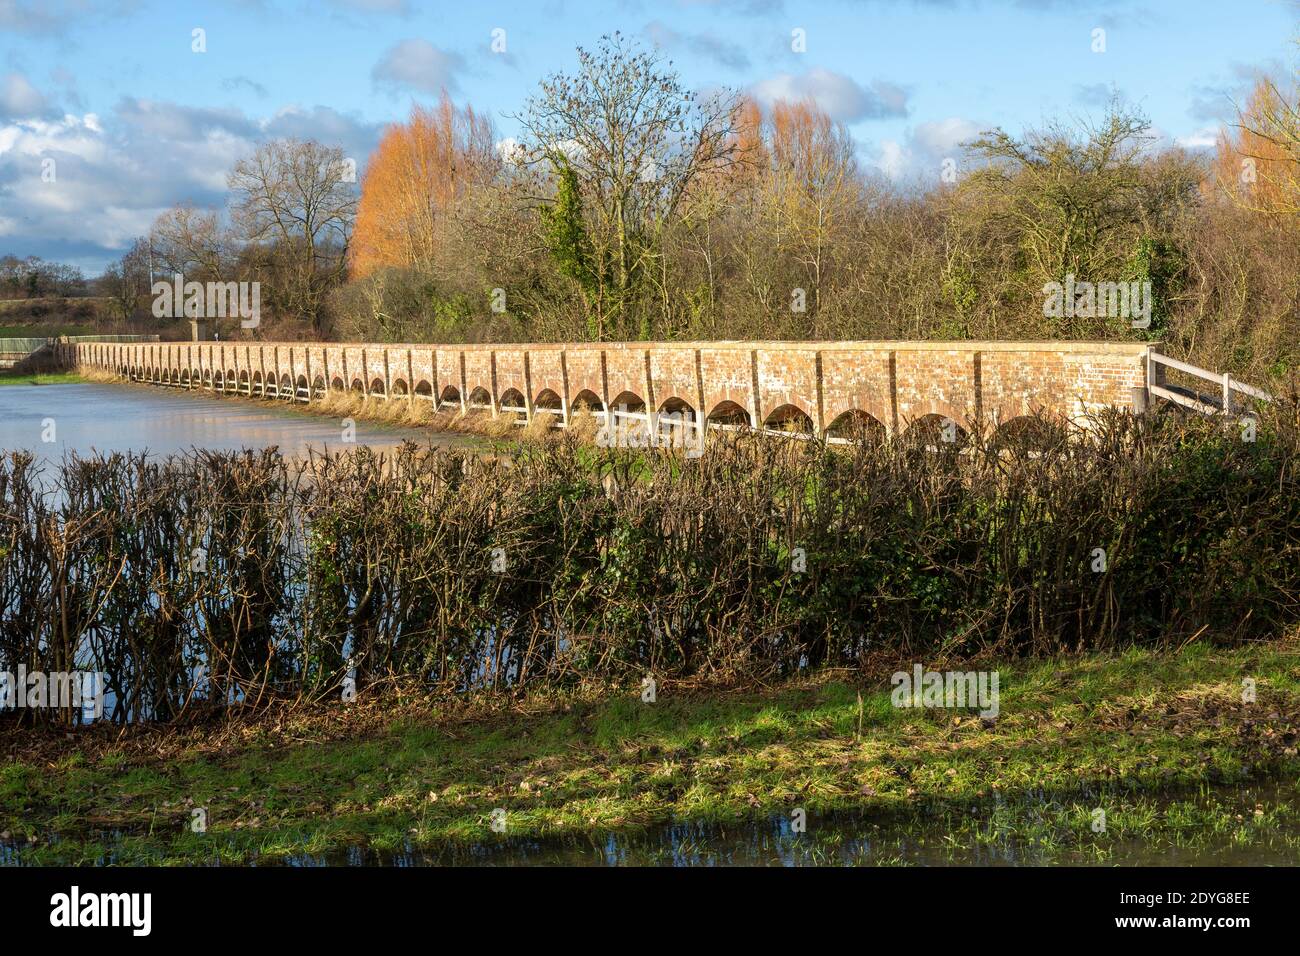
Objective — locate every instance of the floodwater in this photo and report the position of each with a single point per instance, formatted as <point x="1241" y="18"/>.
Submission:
<point x="52" y="420"/>
<point x="990" y="834"/>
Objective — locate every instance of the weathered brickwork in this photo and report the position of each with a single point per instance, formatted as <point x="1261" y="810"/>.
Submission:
<point x="814" y="384"/>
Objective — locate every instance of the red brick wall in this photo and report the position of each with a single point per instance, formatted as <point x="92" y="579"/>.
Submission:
<point x="895" y="383"/>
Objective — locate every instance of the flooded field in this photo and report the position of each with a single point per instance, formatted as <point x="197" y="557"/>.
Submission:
<point x="1245" y="825"/>
<point x="51" y="420"/>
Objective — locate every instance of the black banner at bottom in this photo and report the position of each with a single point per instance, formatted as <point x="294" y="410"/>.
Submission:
<point x="336" y="905"/>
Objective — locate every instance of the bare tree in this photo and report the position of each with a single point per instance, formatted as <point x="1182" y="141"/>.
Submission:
<point x="295" y="204"/>
<point x="127" y="280"/>
<point x="190" y="242"/>
<point x="635" y="139"/>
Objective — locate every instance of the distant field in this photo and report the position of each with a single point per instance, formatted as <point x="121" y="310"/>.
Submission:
<point x="43" y="329"/>
<point x="40" y="378"/>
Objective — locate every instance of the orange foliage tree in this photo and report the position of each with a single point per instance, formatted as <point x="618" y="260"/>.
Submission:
<point x="1259" y="166"/>
<point x="419" y="171"/>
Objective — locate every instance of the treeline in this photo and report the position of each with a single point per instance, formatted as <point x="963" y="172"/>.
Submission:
<point x="210" y="579"/>
<point x="632" y="208"/>
<point x="35" y="278"/>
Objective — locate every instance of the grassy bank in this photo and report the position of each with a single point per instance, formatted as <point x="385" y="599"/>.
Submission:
<point x="41" y="378"/>
<point x="1073" y="734"/>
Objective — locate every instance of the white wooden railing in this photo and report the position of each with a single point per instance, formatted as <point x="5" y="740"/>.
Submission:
<point x="1222" y="404"/>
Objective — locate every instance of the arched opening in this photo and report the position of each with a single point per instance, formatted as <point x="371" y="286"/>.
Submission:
<point x="586" y="402"/>
<point x="399" y="388"/>
<point x="729" y="415"/>
<point x="630" y="422"/>
<point x="336" y="384"/>
<point x="628" y="403"/>
<point x="512" y="403"/>
<point x="677" y="424"/>
<point x="301" y="390"/>
<point x="207" y="379"/>
<point x="358" y="386"/>
<point x="219" y="382"/>
<point x="856" y="425"/>
<point x="788" y="420"/>
<point x="285" y="391"/>
<point x="480" y="400"/>
<point x="424" y="390"/>
<point x="450" y="397"/>
<point x="377" y="389"/>
<point x="318" y="387"/>
<point x="935" y="432"/>
<point x="244" y="385"/>
<point x="548" y="401"/>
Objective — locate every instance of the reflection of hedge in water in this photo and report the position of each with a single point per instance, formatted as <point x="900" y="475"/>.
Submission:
<point x="468" y="571"/>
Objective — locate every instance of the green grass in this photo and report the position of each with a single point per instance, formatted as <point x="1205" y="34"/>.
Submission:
<point x="1132" y="726"/>
<point x="41" y="378"/>
<point x="37" y="330"/>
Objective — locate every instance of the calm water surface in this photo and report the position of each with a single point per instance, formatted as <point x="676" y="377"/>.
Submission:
<point x="108" y="418"/>
<point x="991" y="838"/>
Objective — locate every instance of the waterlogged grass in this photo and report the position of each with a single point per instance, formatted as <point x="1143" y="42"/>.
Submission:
<point x="41" y="378"/>
<point x="1116" y="732"/>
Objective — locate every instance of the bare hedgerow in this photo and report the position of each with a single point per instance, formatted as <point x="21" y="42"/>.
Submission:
<point x="214" y="580"/>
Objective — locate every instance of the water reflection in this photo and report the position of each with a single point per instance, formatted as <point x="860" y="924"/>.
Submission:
<point x="993" y="834"/>
<point x="108" y="418"/>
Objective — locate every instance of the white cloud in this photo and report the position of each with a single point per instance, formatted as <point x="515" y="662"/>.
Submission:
<point x="114" y="173"/>
<point x="1207" y="137"/>
<point x="19" y="99"/>
<point x="922" y="152"/>
<point x="842" y="97"/>
<point x="419" y="65"/>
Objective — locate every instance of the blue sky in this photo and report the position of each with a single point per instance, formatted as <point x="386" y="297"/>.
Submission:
<point x="136" y="121"/>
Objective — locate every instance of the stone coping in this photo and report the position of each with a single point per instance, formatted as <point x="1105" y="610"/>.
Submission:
<point x="887" y="345"/>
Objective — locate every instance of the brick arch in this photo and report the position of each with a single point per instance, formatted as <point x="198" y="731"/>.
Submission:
<point x="926" y="428"/>
<point x="936" y="408"/>
<point x="512" y="402"/>
<point x="790" y="417"/>
<point x="633" y="401"/>
<point x="590" y="398"/>
<point x="856" y="424"/>
<point x="478" y="387"/>
<point x="727" y="412"/>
